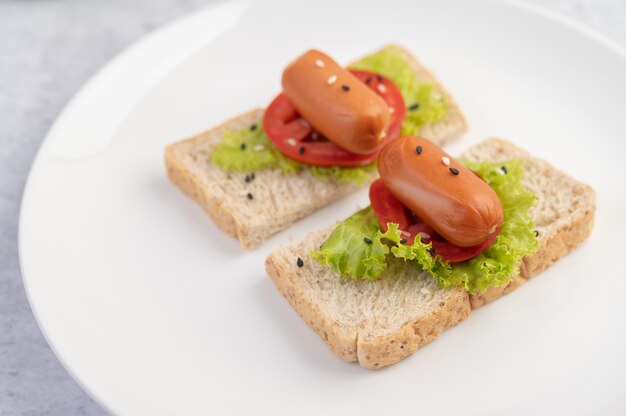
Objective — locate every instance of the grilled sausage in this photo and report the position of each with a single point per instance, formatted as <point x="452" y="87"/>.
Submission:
<point x="446" y="195"/>
<point x="336" y="103"/>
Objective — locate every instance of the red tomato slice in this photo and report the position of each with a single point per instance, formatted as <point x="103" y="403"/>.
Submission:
<point x="388" y="208"/>
<point x="456" y="254"/>
<point x="297" y="140"/>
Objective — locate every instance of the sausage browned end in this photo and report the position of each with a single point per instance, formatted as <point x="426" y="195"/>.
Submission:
<point x="461" y="207"/>
<point x="336" y="103"/>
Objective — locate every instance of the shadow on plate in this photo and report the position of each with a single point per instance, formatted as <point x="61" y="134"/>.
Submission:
<point x="292" y="330"/>
<point x="190" y="220"/>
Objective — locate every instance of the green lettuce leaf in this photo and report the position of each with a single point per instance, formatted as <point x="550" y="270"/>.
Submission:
<point x="430" y="103"/>
<point x="346" y="252"/>
<point x="249" y="150"/>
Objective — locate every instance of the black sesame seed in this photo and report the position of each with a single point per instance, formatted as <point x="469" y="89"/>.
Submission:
<point x="536" y="233"/>
<point x="250" y="196"/>
<point x="253" y="127"/>
<point x="300" y="262"/>
<point x="301" y="150"/>
<point x="345" y="87"/>
<point x="367" y="240"/>
<point x="252" y="175"/>
<point x="379" y="77"/>
<point x="413" y="107"/>
<point x="248" y="178"/>
<point x="431" y="251"/>
<point x="418" y="149"/>
<point x="454" y="171"/>
<point x="243" y="146"/>
<point x="403" y="241"/>
<point x="368" y="80"/>
<point x="503" y="168"/>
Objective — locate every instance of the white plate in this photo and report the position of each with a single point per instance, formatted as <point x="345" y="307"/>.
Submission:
<point x="155" y="312"/>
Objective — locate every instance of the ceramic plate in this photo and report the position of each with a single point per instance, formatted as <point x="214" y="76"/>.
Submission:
<point x="155" y="312"/>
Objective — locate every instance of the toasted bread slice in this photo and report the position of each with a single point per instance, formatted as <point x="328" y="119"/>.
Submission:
<point x="277" y="199"/>
<point x="378" y="323"/>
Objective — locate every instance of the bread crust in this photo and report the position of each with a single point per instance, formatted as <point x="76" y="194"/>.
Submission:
<point x="376" y="351"/>
<point x="188" y="181"/>
<point x="566" y="239"/>
<point x="342" y="345"/>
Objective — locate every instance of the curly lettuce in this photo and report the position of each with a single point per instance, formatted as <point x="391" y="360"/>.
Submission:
<point x="358" y="248"/>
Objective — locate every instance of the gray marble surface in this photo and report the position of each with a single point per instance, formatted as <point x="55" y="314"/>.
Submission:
<point x="48" y="49"/>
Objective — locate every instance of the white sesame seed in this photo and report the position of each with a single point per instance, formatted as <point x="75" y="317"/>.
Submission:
<point x="319" y="63"/>
<point x="331" y="79"/>
<point x="445" y="160"/>
<point x="259" y="147"/>
<point x="391" y="110"/>
<point x="405" y="233"/>
<point x="500" y="171"/>
<point x="382" y="88"/>
<point x="425" y="291"/>
<point x="423" y="235"/>
<point x="292" y="142"/>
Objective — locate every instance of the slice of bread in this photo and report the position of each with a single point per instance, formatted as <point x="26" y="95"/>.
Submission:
<point x="378" y="323"/>
<point x="277" y="199"/>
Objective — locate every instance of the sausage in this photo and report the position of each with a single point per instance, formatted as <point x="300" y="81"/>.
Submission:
<point x="446" y="195"/>
<point x="336" y="103"/>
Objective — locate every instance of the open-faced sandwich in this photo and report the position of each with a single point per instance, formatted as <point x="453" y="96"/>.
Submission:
<point x="441" y="237"/>
<point x="316" y="142"/>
